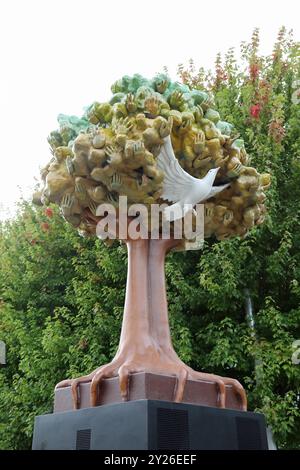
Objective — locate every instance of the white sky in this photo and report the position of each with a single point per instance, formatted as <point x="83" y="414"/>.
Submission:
<point x="57" y="56"/>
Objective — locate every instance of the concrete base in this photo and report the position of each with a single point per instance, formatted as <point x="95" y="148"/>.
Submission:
<point x="151" y="425"/>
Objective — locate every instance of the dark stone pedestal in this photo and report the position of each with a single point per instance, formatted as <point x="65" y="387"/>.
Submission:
<point x="151" y="425"/>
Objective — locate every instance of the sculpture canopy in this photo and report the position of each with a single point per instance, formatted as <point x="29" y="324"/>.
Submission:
<point x="112" y="150"/>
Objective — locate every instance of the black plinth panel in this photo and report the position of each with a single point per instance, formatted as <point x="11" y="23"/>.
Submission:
<point x="150" y="425"/>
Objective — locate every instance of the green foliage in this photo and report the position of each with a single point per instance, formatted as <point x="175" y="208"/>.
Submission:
<point x="61" y="296"/>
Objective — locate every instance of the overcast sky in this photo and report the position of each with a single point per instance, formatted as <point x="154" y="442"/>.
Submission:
<point x="60" y="55"/>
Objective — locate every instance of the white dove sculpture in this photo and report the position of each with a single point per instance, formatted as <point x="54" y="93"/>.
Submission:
<point x="179" y="187"/>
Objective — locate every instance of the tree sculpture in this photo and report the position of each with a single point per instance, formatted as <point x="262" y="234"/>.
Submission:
<point x="113" y="151"/>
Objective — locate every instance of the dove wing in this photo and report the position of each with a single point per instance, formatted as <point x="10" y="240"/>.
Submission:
<point x="217" y="189"/>
<point x="177" y="182"/>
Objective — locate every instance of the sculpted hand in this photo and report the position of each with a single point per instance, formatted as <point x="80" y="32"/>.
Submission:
<point x="123" y="126"/>
<point x="130" y="103"/>
<point x="67" y="203"/>
<point x="139" y="148"/>
<point x="228" y="217"/>
<point x="177" y="99"/>
<point x="221" y="159"/>
<point x="161" y="85"/>
<point x="186" y="123"/>
<point x="113" y="199"/>
<point x="198" y="113"/>
<point x="93" y="207"/>
<point x="152" y="106"/>
<point x="80" y="191"/>
<point x="70" y="165"/>
<point x="115" y="182"/>
<point x="199" y="142"/>
<point x="115" y="157"/>
<point x="166" y="128"/>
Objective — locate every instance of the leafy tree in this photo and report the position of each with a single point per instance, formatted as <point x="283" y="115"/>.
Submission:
<point x="62" y="295"/>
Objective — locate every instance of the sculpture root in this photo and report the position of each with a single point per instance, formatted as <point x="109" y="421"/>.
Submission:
<point x="122" y="368"/>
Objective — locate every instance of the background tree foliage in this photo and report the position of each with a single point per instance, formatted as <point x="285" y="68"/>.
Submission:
<point x="61" y="296"/>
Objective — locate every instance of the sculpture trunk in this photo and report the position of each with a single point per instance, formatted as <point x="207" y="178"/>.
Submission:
<point x="145" y="342"/>
<point x="157" y="291"/>
<point x="145" y="327"/>
<point x="136" y="324"/>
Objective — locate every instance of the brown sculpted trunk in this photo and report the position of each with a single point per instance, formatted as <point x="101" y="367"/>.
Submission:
<point x="136" y="321"/>
<point x="145" y="341"/>
<point x="145" y="320"/>
<point x="157" y="291"/>
<point x="145" y="327"/>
